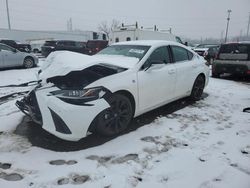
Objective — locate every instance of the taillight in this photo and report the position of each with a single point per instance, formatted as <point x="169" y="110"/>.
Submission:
<point x="248" y="72"/>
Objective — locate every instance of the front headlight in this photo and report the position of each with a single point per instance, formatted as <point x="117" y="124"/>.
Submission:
<point x="80" y="96"/>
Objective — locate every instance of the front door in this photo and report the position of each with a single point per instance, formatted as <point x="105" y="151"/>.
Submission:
<point x="156" y="84"/>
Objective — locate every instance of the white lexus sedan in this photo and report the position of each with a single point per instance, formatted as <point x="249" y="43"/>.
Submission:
<point x="79" y="94"/>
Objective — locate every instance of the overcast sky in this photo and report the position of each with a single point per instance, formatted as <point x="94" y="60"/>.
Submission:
<point x="189" y="18"/>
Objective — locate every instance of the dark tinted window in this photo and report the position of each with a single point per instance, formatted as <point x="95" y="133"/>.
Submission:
<point x="235" y="48"/>
<point x="242" y="49"/>
<point x="160" y="54"/>
<point x="180" y="54"/>
<point x="116" y="39"/>
<point x="228" y="48"/>
<point x="234" y="52"/>
<point x="3" y="47"/>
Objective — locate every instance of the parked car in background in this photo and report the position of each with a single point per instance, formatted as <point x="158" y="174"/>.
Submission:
<point x="17" y="45"/>
<point x="48" y="47"/>
<point x="11" y="57"/>
<point x="69" y="45"/>
<point x="208" y="51"/>
<point x="94" y="46"/>
<point x="80" y="94"/>
<point x="233" y="58"/>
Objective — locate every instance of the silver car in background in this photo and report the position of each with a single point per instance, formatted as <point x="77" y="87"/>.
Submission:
<point x="11" y="57"/>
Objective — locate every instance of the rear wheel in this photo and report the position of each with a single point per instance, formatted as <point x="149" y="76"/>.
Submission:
<point x="115" y="119"/>
<point x="28" y="62"/>
<point x="198" y="88"/>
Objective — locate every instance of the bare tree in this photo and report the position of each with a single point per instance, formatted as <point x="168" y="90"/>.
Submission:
<point x="108" y="28"/>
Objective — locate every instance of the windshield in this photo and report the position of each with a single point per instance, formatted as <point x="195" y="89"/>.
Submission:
<point x="126" y="50"/>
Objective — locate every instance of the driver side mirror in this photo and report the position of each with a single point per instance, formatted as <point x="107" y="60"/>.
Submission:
<point x="14" y="50"/>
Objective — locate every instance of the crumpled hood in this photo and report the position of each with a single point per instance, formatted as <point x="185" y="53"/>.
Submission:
<point x="63" y="62"/>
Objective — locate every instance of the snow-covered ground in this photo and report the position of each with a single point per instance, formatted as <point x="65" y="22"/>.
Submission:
<point x="204" y="145"/>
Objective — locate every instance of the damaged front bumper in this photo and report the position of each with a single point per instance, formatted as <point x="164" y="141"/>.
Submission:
<point x="64" y="120"/>
<point x="29" y="106"/>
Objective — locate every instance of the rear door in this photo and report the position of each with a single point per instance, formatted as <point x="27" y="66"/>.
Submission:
<point x="186" y="70"/>
<point x="156" y="84"/>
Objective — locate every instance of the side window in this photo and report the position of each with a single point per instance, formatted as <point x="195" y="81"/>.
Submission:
<point x="228" y="48"/>
<point x="180" y="54"/>
<point x="6" y="48"/>
<point x="117" y="39"/>
<point x="160" y="55"/>
<point x="242" y="49"/>
<point x="128" y="39"/>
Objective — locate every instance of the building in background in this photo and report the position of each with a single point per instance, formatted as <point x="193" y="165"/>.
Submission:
<point x="33" y="36"/>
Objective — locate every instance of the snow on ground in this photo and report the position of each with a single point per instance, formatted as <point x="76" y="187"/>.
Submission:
<point x="204" y="145"/>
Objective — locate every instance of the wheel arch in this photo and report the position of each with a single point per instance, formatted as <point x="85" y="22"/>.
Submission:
<point x="126" y="93"/>
<point x="28" y="56"/>
<point x="203" y="75"/>
<point x="129" y="95"/>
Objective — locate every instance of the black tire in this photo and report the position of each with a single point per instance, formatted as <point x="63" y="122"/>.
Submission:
<point x="115" y="119"/>
<point x="198" y="88"/>
<point x="28" y="62"/>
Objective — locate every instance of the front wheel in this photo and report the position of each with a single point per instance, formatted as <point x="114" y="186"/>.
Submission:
<point x="28" y="62"/>
<point x="116" y="118"/>
<point x="198" y="88"/>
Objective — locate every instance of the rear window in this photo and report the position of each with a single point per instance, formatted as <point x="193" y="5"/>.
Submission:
<point x="181" y="54"/>
<point x="235" y="48"/>
<point x="234" y="51"/>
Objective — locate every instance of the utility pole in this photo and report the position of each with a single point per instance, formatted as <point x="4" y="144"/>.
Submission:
<point x="248" y="25"/>
<point x="8" y="15"/>
<point x="228" y="18"/>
